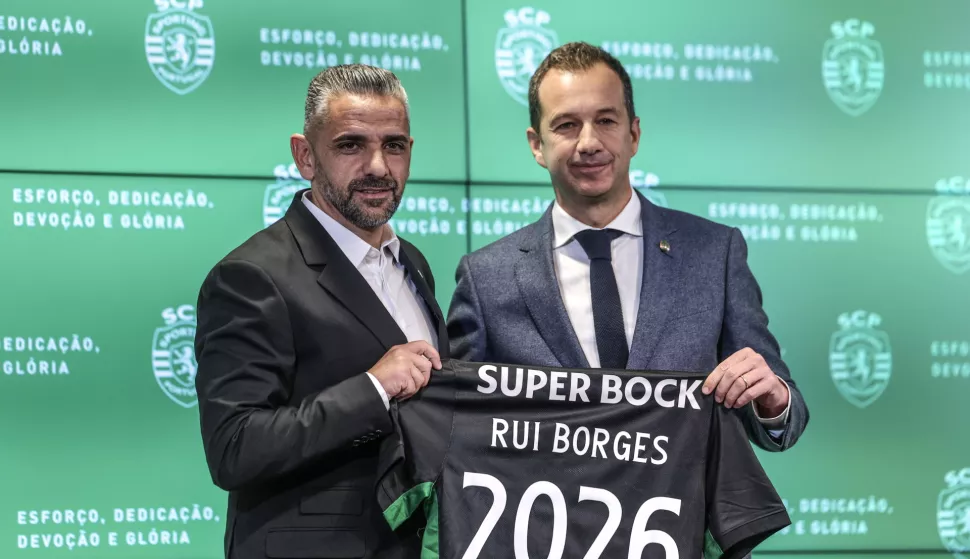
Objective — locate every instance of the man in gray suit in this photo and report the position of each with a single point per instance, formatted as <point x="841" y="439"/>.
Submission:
<point x="607" y="279"/>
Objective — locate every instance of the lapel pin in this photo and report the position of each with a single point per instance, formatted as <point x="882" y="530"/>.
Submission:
<point x="665" y="246"/>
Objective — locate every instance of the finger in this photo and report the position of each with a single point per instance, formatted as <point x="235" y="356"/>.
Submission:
<point x="736" y="358"/>
<point x="409" y="388"/>
<point x="710" y="383"/>
<point x="426" y="372"/>
<point x="756" y="375"/>
<point x="740" y="386"/>
<point x="422" y="347"/>
<point x="731" y="376"/>
<point x="422" y="363"/>
<point x="419" y="377"/>
<point x="435" y="359"/>
<point x="755" y="391"/>
<point x="714" y="379"/>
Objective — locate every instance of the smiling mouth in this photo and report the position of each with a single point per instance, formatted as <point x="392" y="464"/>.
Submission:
<point x="374" y="194"/>
<point x="590" y="167"/>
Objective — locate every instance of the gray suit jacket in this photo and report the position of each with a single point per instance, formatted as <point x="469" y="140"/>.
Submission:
<point x="699" y="303"/>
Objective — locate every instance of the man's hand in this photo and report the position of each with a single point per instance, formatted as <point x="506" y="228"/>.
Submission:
<point x="745" y="377"/>
<point x="405" y="369"/>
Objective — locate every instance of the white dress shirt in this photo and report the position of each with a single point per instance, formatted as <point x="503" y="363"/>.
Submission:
<point x="572" y="271"/>
<point x="387" y="276"/>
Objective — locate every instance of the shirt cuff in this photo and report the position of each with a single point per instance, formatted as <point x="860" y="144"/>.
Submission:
<point x="775" y="425"/>
<point x="380" y="390"/>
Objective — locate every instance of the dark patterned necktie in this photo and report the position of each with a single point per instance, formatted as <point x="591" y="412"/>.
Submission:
<point x="607" y="310"/>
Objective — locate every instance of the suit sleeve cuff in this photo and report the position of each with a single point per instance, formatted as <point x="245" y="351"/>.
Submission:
<point x="387" y="404"/>
<point x="779" y="422"/>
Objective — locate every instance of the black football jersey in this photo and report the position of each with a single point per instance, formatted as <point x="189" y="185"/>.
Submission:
<point x="508" y="461"/>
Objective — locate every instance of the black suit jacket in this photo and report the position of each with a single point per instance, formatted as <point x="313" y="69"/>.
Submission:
<point x="287" y="328"/>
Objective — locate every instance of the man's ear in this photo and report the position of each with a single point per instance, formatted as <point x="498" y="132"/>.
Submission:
<point x="635" y="131"/>
<point x="302" y="153"/>
<point x="535" y="144"/>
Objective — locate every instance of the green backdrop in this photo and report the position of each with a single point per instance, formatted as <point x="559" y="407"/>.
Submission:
<point x="144" y="140"/>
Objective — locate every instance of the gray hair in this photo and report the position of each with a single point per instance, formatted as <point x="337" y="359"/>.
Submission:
<point x="349" y="79"/>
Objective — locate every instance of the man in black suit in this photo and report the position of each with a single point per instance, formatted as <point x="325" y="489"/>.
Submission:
<point x="309" y="328"/>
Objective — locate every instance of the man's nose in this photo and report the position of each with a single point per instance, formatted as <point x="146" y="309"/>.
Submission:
<point x="376" y="164"/>
<point x="589" y="142"/>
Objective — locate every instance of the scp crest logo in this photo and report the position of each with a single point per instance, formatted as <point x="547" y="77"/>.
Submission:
<point x="860" y="358"/>
<point x="948" y="231"/>
<point x="953" y="513"/>
<point x="279" y="195"/>
<point x="173" y="355"/>
<point x="853" y="68"/>
<point x="180" y="45"/>
<point x="520" y="47"/>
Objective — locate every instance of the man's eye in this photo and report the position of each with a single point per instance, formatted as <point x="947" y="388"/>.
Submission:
<point x="346" y="146"/>
<point x="396" y="146"/>
<point x="565" y="126"/>
<point x="606" y="121"/>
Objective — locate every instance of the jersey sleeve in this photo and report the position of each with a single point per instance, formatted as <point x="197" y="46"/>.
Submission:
<point x="743" y="507"/>
<point x="411" y="457"/>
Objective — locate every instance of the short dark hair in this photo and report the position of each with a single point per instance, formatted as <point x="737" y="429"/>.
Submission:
<point x="356" y="79"/>
<point x="574" y="57"/>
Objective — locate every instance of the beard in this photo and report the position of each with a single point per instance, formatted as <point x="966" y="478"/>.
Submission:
<point x="362" y="213"/>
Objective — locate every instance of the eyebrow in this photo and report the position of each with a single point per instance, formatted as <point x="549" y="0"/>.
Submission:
<point x="602" y="111"/>
<point x="362" y="138"/>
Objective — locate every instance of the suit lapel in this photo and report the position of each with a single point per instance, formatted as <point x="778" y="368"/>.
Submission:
<point x="536" y="279"/>
<point x="415" y="275"/>
<point x="661" y="270"/>
<point x="345" y="283"/>
<point x="339" y="277"/>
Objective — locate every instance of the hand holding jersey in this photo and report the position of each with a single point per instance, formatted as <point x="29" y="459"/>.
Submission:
<point x="745" y="377"/>
<point x="405" y="369"/>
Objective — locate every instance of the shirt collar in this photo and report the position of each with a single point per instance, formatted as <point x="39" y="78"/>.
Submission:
<point x="566" y="226"/>
<point x="354" y="247"/>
